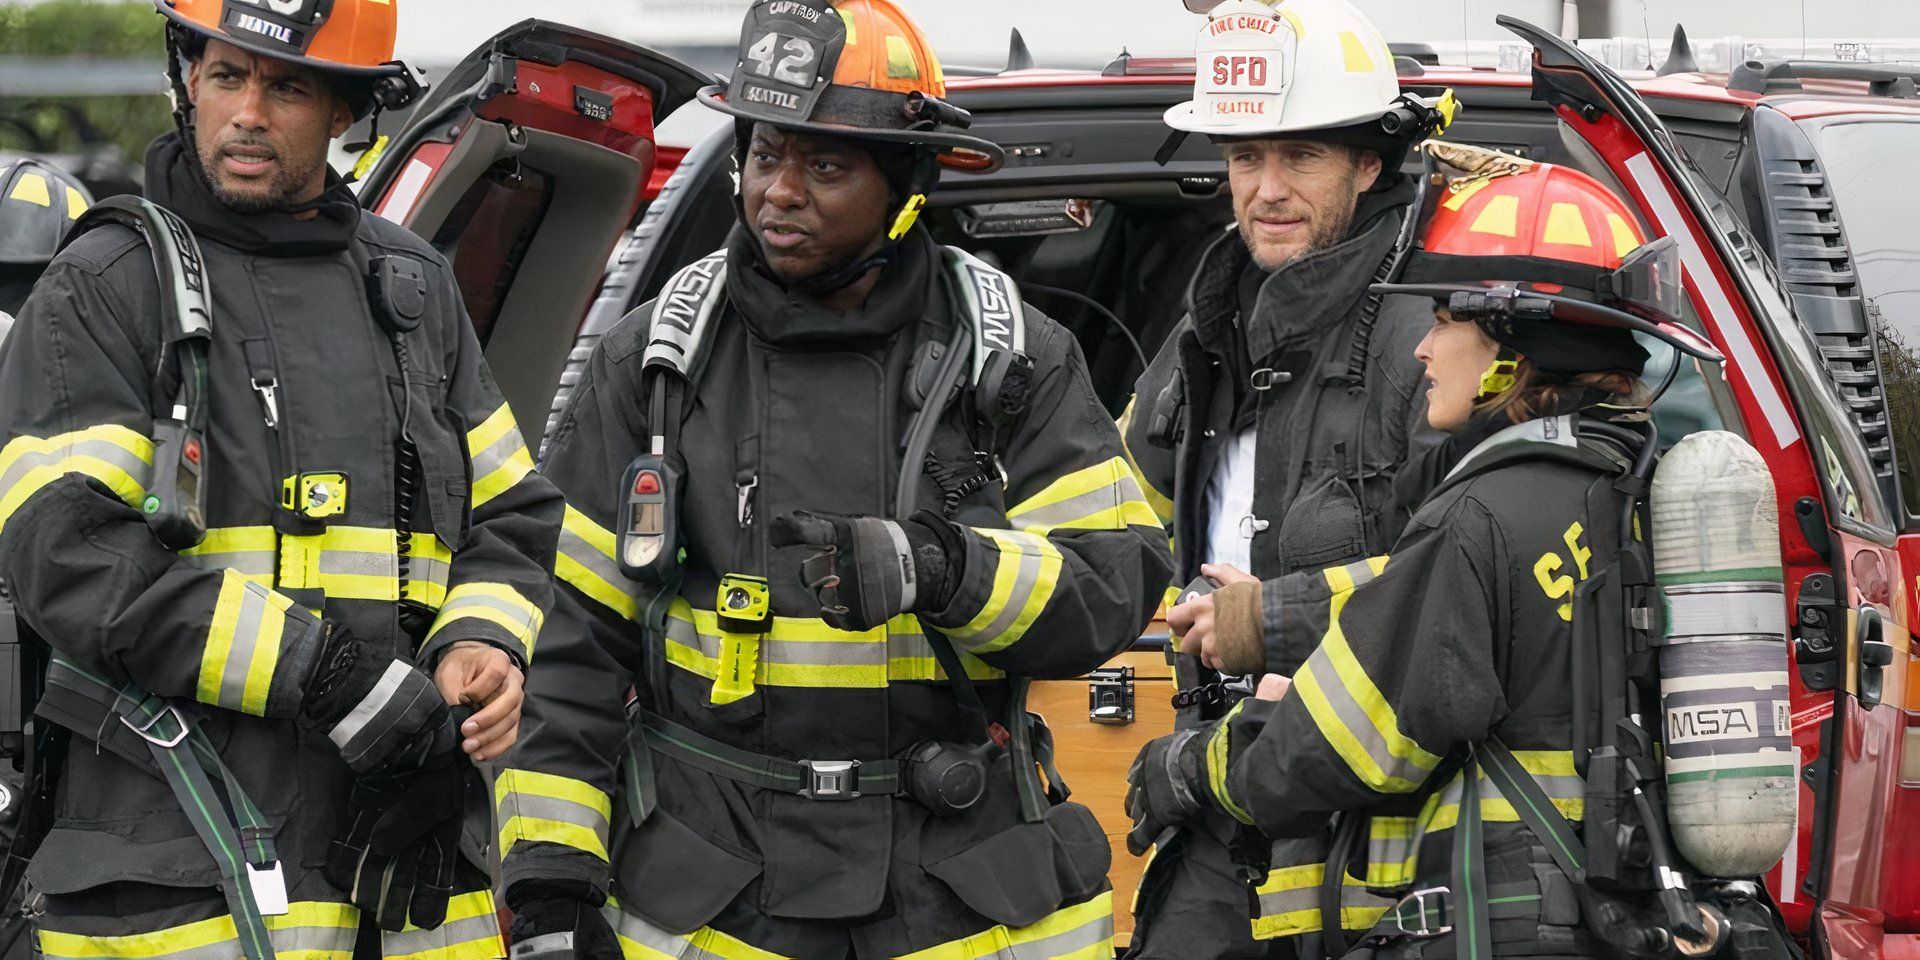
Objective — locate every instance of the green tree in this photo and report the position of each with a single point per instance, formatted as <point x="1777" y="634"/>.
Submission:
<point x="123" y="31"/>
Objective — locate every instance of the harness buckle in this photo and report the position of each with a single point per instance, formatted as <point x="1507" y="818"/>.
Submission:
<point x="1266" y="378"/>
<point x="145" y="730"/>
<point x="831" y="779"/>
<point x="1419" y="899"/>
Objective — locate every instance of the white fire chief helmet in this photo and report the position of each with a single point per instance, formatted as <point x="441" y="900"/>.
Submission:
<point x="1311" y="68"/>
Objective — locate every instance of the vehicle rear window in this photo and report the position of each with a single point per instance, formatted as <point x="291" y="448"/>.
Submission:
<point x="1870" y="166"/>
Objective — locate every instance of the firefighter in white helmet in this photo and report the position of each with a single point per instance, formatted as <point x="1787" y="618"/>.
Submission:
<point x="1288" y="398"/>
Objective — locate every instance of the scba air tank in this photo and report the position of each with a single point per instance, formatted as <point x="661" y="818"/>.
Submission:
<point x="1728" y="745"/>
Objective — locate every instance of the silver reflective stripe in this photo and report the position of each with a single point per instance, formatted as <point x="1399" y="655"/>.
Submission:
<point x="1358" y="724"/>
<point x="904" y="551"/>
<point x="1067" y="942"/>
<point x="650" y="937"/>
<point x="358" y="563"/>
<point x="497" y="453"/>
<point x="1289" y="901"/>
<point x="246" y="637"/>
<point x="298" y="940"/>
<point x="1025" y="581"/>
<point x="465" y="600"/>
<point x="369" y="706"/>
<point x="102" y="450"/>
<point x="576" y="548"/>
<point x="1084" y="505"/>
<point x="557" y="809"/>
<point x="1742" y="609"/>
<point x="443" y="938"/>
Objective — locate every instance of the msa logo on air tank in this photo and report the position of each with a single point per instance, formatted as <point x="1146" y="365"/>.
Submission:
<point x="1723" y="721"/>
<point x="1550" y="570"/>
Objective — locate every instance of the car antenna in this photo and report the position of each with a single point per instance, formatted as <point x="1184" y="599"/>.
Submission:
<point x="1680" y="56"/>
<point x="1018" y="56"/>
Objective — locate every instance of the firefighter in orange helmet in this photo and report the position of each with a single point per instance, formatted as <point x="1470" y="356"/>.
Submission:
<point x="1439" y="674"/>
<point x="274" y="521"/>
<point x="795" y="729"/>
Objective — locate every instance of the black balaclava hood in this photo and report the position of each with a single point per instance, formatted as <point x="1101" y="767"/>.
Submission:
<point x="174" y="181"/>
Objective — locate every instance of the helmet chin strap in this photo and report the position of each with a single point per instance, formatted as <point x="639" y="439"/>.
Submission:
<point x="182" y="103"/>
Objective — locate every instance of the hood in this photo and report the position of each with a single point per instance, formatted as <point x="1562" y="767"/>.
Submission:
<point x="173" y="183"/>
<point x="905" y="293"/>
<point x="1306" y="296"/>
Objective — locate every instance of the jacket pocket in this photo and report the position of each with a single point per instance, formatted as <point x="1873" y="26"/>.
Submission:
<point x="1323" y="526"/>
<point x="675" y="878"/>
<point x="73" y="860"/>
<point x="445" y="474"/>
<point x="1020" y="875"/>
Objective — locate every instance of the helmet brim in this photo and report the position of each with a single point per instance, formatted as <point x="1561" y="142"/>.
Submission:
<point x="958" y="151"/>
<point x="390" y="69"/>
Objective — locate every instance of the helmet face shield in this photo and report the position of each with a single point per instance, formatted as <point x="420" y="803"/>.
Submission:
<point x="1649" y="278"/>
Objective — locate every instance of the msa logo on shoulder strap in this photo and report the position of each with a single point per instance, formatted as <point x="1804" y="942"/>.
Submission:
<point x="683" y="315"/>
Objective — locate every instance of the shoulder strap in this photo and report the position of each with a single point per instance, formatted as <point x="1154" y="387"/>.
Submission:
<point x="176" y="502"/>
<point x="991" y="302"/>
<point x="683" y="315"/>
<point x="186" y="309"/>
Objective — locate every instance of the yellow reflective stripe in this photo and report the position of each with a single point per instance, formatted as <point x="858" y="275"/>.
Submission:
<point x="1289" y="903"/>
<point x="499" y="454"/>
<point x="586" y="561"/>
<point x="307" y="931"/>
<point x="551" y="808"/>
<point x="1161" y="503"/>
<point x="345" y="563"/>
<point x="808" y="652"/>
<point x="495" y="603"/>
<point x="1553" y="770"/>
<point x="1392" y="847"/>
<point x="112" y="454"/>
<point x="640" y="940"/>
<point x="1104" y="496"/>
<point x="1351" y="712"/>
<point x="429" y="565"/>
<point x="471" y="931"/>
<point x="242" y="647"/>
<point x="1217" y="766"/>
<point x="1082" y="931"/>
<point x="1026" y="571"/>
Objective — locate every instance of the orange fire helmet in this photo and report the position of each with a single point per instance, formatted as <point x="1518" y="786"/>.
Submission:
<point x="1522" y="247"/>
<point x="352" y="38"/>
<point x="848" y="68"/>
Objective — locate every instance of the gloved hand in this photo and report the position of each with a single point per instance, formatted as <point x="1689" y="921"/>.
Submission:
<point x="869" y="570"/>
<point x="380" y="711"/>
<point x="398" y="859"/>
<point x="559" y="920"/>
<point x="1161" y="786"/>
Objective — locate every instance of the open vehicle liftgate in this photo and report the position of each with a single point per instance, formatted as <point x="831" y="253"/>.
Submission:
<point x="1853" y="701"/>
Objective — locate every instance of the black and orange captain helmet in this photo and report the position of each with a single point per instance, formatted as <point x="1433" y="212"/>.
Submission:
<point x="848" y="68"/>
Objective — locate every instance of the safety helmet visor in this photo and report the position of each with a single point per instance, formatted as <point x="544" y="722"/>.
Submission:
<point x="1649" y="279"/>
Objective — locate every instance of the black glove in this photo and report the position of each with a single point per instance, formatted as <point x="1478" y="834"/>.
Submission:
<point x="559" y="920"/>
<point x="380" y="712"/>
<point x="869" y="570"/>
<point x="402" y="847"/>
<point x="1161" y="791"/>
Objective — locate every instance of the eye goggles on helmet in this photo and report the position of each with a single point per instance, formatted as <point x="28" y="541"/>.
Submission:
<point x="1506" y="304"/>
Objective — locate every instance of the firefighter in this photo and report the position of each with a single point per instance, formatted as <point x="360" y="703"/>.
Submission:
<point x="38" y="204"/>
<point x="1421" y="679"/>
<point x="807" y="740"/>
<point x="1269" y="430"/>
<point x="269" y="512"/>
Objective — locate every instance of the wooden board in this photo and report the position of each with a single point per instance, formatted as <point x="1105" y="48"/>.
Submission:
<point x="1094" y="757"/>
